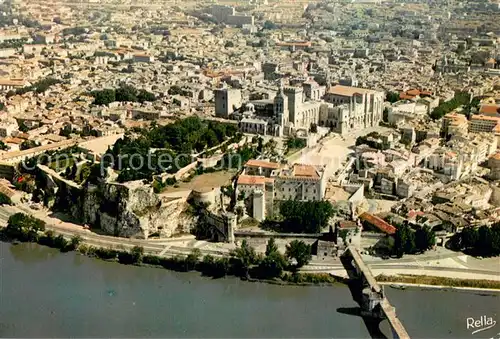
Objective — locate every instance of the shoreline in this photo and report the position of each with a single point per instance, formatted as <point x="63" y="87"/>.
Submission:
<point x="178" y="264"/>
<point x="220" y="265"/>
<point x="439" y="287"/>
<point x="435" y="282"/>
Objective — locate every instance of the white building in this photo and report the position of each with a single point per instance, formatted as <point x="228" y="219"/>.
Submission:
<point x="353" y="108"/>
<point x="264" y="182"/>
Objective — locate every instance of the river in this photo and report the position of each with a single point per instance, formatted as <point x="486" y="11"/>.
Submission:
<point x="44" y="293"/>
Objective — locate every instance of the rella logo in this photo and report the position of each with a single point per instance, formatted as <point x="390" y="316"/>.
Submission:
<point x="482" y="324"/>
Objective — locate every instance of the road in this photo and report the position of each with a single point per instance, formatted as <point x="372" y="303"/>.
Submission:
<point x="443" y="263"/>
<point x="166" y="247"/>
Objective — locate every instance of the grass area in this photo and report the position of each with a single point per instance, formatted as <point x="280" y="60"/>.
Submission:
<point x="249" y="223"/>
<point x="291" y="151"/>
<point x="59" y="165"/>
<point x="207" y="180"/>
<point x="312" y="278"/>
<point x="439" y="281"/>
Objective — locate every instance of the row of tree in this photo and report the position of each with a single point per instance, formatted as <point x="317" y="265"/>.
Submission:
<point x="243" y="261"/>
<point x="124" y="93"/>
<point x="409" y="241"/>
<point x="302" y="216"/>
<point x="38" y="87"/>
<point x="250" y="264"/>
<point x="24" y="227"/>
<point x="483" y="241"/>
<point x="460" y="99"/>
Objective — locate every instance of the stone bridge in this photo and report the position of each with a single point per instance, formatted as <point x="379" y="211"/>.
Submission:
<point x="373" y="301"/>
<point x="222" y="225"/>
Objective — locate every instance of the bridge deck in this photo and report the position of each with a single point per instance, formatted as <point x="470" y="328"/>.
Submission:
<point x="365" y="270"/>
<point x="389" y="311"/>
<point x="392" y="318"/>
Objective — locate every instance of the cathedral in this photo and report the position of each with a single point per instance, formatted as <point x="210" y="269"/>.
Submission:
<point x="343" y="109"/>
<point x="291" y="114"/>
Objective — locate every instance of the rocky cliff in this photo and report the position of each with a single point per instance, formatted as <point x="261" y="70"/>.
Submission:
<point x="124" y="210"/>
<point x="134" y="211"/>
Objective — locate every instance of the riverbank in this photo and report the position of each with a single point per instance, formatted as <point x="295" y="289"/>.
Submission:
<point x="440" y="282"/>
<point x="208" y="265"/>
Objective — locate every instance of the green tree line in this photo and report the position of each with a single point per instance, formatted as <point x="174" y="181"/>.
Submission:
<point x="483" y="241"/>
<point x="301" y="217"/>
<point x="409" y="241"/>
<point x="38" y="87"/>
<point x="460" y="99"/>
<point x="124" y="93"/>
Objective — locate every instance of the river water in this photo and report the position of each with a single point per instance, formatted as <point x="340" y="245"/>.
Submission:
<point x="44" y="293"/>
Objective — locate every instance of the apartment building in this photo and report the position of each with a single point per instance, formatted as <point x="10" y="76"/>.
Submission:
<point x="454" y="123"/>
<point x="483" y="123"/>
<point x="494" y="165"/>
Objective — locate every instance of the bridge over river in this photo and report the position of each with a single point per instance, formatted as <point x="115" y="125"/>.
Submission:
<point x="373" y="302"/>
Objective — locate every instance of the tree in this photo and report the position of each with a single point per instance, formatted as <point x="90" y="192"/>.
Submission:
<point x="271" y="247"/>
<point x="137" y="253"/>
<point x="469" y="237"/>
<point x="385" y="115"/>
<point x="126" y="93"/>
<point x="104" y="97"/>
<point x="24" y="227"/>
<point x="246" y="256"/>
<point x="192" y="259"/>
<point x="144" y="96"/>
<point x="272" y="265"/>
<point x="404" y="241"/>
<point x="4" y="199"/>
<point x="23" y="128"/>
<point x="274" y="262"/>
<point x="424" y="238"/>
<point x="300" y="251"/>
<point x="27" y="144"/>
<point x="269" y="25"/>
<point x="175" y="90"/>
<point x="305" y="216"/>
<point x="392" y="97"/>
<point x="75" y="241"/>
<point x="229" y="44"/>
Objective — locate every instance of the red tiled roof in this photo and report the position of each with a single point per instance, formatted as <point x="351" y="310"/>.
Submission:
<point x="262" y="163"/>
<point x="378" y="222"/>
<point x="489" y="109"/>
<point x="405" y="96"/>
<point x="251" y="180"/>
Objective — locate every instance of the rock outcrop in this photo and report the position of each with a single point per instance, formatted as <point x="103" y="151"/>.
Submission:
<point x="130" y="210"/>
<point x="125" y="210"/>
